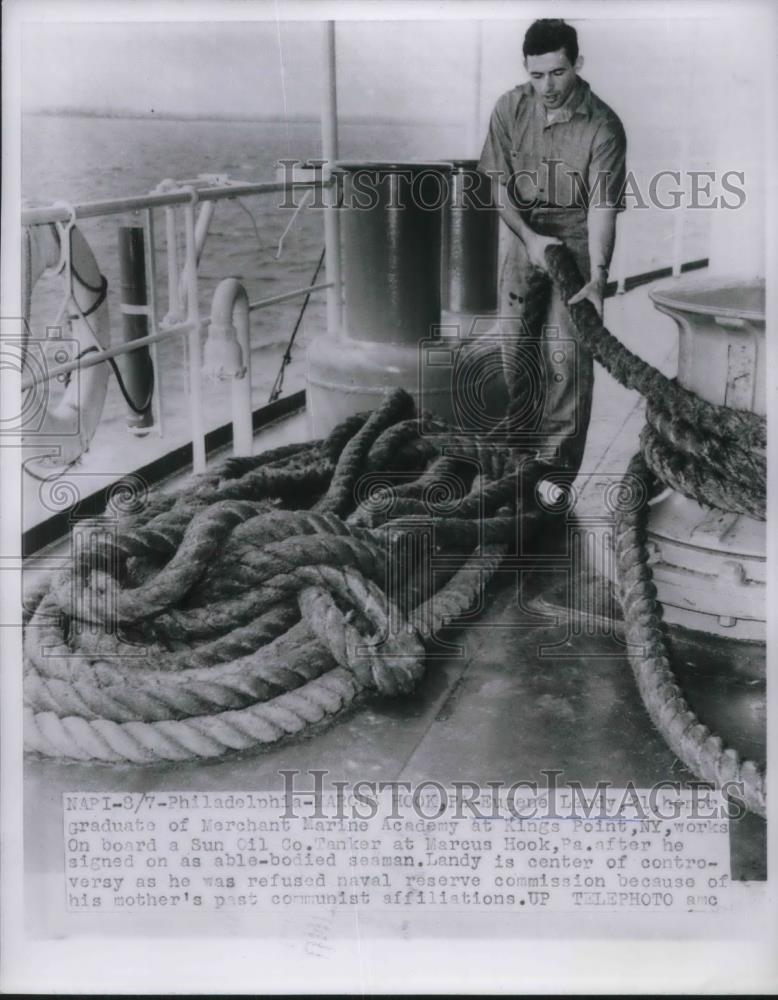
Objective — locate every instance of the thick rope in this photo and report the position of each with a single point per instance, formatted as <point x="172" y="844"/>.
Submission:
<point x="702" y="751"/>
<point x="714" y="455"/>
<point x="216" y="620"/>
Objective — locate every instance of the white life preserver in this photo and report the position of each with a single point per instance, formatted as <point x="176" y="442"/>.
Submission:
<point x="60" y="432"/>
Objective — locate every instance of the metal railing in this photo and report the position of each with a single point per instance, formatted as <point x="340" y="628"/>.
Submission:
<point x="183" y="318"/>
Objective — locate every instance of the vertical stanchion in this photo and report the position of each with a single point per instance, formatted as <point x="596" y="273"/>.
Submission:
<point x="204" y="217"/>
<point x="151" y="285"/>
<point x="242" y="414"/>
<point x="174" y="311"/>
<point x="329" y="147"/>
<point x="202" y="225"/>
<point x="227" y="357"/>
<point x="193" y="338"/>
<point x="136" y="366"/>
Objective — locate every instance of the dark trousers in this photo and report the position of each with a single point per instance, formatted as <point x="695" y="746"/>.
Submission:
<point x="552" y="378"/>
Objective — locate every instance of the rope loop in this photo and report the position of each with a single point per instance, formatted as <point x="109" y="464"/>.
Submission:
<point x="252" y="604"/>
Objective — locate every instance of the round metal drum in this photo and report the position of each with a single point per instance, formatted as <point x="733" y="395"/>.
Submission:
<point x="709" y="565"/>
<point x="391" y="219"/>
<point x="458" y="380"/>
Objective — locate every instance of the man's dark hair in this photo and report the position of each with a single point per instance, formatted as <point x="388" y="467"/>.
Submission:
<point x="550" y="34"/>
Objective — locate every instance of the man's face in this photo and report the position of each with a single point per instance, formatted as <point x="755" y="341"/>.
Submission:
<point x="552" y="76"/>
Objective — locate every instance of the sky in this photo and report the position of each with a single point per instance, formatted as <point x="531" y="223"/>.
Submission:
<point x="262" y="68"/>
<point x="271" y="67"/>
<point x="660" y="75"/>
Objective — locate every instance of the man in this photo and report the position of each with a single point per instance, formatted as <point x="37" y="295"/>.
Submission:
<point x="558" y="153"/>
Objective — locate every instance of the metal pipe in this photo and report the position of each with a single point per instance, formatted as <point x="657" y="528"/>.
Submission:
<point x="176" y="330"/>
<point x="329" y="152"/>
<point x="89" y="360"/>
<point x="195" y="353"/>
<point x="228" y="357"/>
<point x="297" y="293"/>
<point x="45" y="214"/>
<point x="137" y="369"/>
<point x="175" y="311"/>
<point x="242" y="190"/>
<point x="151" y="283"/>
<point x="204" y="217"/>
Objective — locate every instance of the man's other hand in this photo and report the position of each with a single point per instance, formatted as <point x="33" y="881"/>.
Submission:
<point x="536" y="249"/>
<point x="594" y="291"/>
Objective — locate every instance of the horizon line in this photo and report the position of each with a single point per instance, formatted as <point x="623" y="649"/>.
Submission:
<point x="303" y="119"/>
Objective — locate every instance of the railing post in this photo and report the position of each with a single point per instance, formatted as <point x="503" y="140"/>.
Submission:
<point x="227" y="357"/>
<point x="329" y="147"/>
<point x="174" y="310"/>
<point x="204" y="217"/>
<point x="151" y="284"/>
<point x="242" y="411"/>
<point x="193" y="339"/>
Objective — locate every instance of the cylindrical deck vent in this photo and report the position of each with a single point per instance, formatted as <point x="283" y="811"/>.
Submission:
<point x="391" y="223"/>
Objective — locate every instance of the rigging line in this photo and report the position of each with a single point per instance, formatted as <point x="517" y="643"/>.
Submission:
<point x="275" y="392"/>
<point x="249" y="213"/>
<point x="111" y="361"/>
<point x="53" y="476"/>
<point x="123" y="389"/>
<point x="305" y="199"/>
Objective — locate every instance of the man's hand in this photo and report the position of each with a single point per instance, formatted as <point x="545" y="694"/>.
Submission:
<point x="536" y="249"/>
<point x="594" y="291"/>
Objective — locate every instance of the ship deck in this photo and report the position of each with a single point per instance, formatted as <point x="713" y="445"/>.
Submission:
<point x="527" y="690"/>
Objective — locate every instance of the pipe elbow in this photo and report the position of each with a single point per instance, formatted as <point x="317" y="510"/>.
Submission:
<point x="229" y="300"/>
<point x="222" y="356"/>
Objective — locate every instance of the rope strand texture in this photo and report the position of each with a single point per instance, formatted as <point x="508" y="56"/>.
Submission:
<point x="716" y="456"/>
<point x="232" y="615"/>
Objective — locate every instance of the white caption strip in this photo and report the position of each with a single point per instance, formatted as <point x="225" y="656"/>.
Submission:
<point x="247" y="851"/>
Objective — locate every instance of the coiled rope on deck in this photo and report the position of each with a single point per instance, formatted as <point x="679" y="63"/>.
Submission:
<point x="217" y="619"/>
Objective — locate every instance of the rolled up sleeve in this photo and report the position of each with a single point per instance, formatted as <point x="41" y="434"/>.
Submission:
<point x="607" y="167"/>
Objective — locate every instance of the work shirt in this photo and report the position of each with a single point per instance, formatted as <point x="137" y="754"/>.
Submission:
<point x="554" y="170"/>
